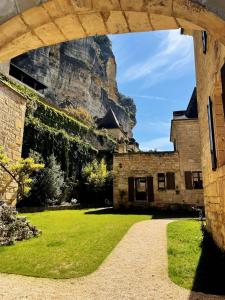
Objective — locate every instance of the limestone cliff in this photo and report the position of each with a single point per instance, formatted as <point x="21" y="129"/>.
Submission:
<point x="80" y="73"/>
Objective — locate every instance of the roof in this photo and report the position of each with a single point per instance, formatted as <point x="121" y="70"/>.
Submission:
<point x="192" y="109"/>
<point x="109" y="121"/>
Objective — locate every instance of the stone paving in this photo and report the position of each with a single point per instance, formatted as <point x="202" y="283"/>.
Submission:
<point x="136" y="269"/>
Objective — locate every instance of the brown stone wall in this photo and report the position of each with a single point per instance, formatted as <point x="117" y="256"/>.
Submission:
<point x="209" y="84"/>
<point x="12" y="114"/>
<point x="187" y="136"/>
<point x="150" y="164"/>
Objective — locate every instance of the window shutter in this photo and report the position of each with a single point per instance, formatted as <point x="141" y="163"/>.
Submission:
<point x="188" y="180"/>
<point x="150" y="189"/>
<point x="204" y="41"/>
<point x="131" y="189"/>
<point x="223" y="87"/>
<point x="212" y="135"/>
<point x="170" y="181"/>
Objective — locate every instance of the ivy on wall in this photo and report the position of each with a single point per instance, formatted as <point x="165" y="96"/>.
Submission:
<point x="49" y="129"/>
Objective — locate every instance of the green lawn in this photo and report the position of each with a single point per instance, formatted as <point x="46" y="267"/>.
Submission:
<point x="184" y="251"/>
<point x="73" y="243"/>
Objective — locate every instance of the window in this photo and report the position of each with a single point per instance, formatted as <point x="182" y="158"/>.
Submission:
<point x="166" y="181"/>
<point x="161" y="181"/>
<point x="223" y="87"/>
<point x="197" y="180"/>
<point x="211" y="135"/>
<point x="193" y="180"/>
<point x="204" y="41"/>
<point x="141" y="189"/>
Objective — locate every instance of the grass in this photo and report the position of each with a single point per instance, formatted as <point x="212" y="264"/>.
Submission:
<point x="73" y="243"/>
<point x="195" y="263"/>
<point x="184" y="251"/>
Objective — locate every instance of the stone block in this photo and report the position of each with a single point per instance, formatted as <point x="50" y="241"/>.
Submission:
<point x="70" y="26"/>
<point x="36" y="17"/>
<point x="93" y="24"/>
<point x="106" y="5"/>
<point x="49" y="34"/>
<point x="138" y="21"/>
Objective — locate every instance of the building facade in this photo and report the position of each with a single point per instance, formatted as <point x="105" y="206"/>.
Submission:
<point x="163" y="179"/>
<point x="210" y="74"/>
<point x="12" y="115"/>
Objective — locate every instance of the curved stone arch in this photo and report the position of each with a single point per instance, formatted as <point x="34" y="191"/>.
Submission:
<point x="54" y="21"/>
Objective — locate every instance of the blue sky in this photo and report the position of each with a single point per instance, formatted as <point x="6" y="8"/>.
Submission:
<point x="157" y="70"/>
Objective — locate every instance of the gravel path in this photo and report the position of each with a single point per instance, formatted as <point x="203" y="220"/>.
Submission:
<point x="136" y="269"/>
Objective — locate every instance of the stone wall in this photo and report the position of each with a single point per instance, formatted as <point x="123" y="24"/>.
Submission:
<point x="187" y="135"/>
<point x="187" y="158"/>
<point x="150" y="164"/>
<point x="12" y="116"/>
<point x="208" y="68"/>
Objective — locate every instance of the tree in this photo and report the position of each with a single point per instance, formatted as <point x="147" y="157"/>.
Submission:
<point x="47" y="185"/>
<point x="96" y="174"/>
<point x="20" y="172"/>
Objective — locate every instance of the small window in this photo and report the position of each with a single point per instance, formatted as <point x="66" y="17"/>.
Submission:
<point x="204" y="41"/>
<point x="193" y="180"/>
<point x="161" y="181"/>
<point x="212" y="135"/>
<point x="197" y="180"/>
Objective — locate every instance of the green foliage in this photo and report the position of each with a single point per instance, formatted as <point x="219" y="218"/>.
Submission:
<point x="96" y="173"/>
<point x="20" y="172"/>
<point x="73" y="243"/>
<point x="51" y="115"/>
<point x="48" y="184"/>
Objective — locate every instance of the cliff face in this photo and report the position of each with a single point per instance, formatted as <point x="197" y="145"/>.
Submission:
<point x="82" y="74"/>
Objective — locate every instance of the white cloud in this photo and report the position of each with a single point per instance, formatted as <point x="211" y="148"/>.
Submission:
<point x="161" y="144"/>
<point x="150" y="97"/>
<point x="174" y="54"/>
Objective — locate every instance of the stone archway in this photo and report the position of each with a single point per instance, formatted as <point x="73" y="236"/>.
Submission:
<point x="27" y="25"/>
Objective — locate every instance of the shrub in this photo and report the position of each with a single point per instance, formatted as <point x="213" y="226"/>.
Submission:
<point x="14" y="228"/>
<point x="47" y="184"/>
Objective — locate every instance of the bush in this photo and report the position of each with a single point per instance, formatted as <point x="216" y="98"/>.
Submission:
<point x="47" y="184"/>
<point x="14" y="228"/>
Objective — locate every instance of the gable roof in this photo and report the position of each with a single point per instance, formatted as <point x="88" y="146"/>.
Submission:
<point x="109" y="121"/>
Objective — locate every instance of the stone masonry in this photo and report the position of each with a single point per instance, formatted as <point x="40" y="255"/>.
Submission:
<point x="186" y="158"/>
<point x="210" y="83"/>
<point x="12" y="115"/>
<point x="30" y="24"/>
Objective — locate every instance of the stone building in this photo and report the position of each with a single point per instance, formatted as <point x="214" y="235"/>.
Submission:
<point x="12" y="115"/>
<point x="210" y="73"/>
<point x="124" y="142"/>
<point x="164" y="179"/>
